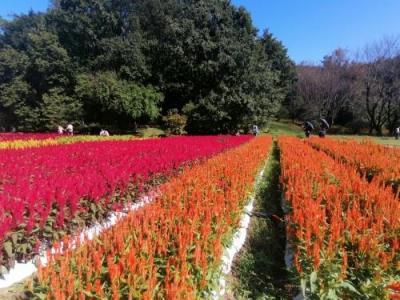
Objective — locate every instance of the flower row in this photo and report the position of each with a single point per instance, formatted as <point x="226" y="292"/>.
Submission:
<point x="59" y="140"/>
<point x="27" y="136"/>
<point x="169" y="249"/>
<point x="373" y="161"/>
<point x="48" y="192"/>
<point x="345" y="231"/>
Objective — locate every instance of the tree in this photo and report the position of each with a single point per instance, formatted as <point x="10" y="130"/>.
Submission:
<point x="310" y="92"/>
<point x="15" y="99"/>
<point x="380" y="82"/>
<point x="113" y="101"/>
<point x="325" y="90"/>
<point x="49" y="64"/>
<point x="363" y="92"/>
<point x="33" y="65"/>
<point x="116" y="58"/>
<point x="58" y="108"/>
<point x="336" y="83"/>
<point x="12" y="87"/>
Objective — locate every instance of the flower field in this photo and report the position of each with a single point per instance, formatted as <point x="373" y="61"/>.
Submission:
<point x="47" y="192"/>
<point x="342" y="221"/>
<point x="27" y="136"/>
<point x="345" y="230"/>
<point x="24" y="141"/>
<point x="372" y="160"/>
<point x="169" y="249"/>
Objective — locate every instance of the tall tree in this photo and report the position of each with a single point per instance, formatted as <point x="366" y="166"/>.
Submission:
<point x="111" y="101"/>
<point x="379" y="79"/>
<point x="336" y="84"/>
<point x="204" y="56"/>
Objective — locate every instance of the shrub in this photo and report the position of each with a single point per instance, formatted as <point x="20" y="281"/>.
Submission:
<point x="174" y="122"/>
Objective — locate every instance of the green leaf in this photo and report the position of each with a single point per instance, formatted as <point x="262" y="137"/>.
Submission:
<point x="93" y="207"/>
<point x="41" y="296"/>
<point x="8" y="248"/>
<point x="89" y="294"/>
<point x="347" y="285"/>
<point x="14" y="238"/>
<point x="313" y="281"/>
<point x="303" y="284"/>
<point x="24" y="248"/>
<point x="332" y="295"/>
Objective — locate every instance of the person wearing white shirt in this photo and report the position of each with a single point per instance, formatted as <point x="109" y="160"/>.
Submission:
<point x="104" y="132"/>
<point x="70" y="129"/>
<point x="255" y="130"/>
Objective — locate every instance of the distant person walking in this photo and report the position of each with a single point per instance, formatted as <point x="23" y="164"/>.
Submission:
<point x="255" y="129"/>
<point x="104" y="132"/>
<point x="308" y="127"/>
<point x="70" y="129"/>
<point x="324" y="126"/>
<point x="60" y="129"/>
<point x="397" y="133"/>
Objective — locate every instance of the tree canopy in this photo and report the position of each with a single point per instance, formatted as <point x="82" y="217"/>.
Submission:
<point x="359" y="93"/>
<point x="121" y="62"/>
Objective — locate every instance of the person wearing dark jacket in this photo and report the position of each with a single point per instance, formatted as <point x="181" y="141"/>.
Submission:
<point x="308" y="127"/>
<point x="324" y="126"/>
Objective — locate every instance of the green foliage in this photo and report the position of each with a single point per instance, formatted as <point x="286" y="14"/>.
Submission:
<point x="35" y="70"/>
<point x="16" y="111"/>
<point x="150" y="132"/>
<point x="284" y="127"/>
<point x="113" y="61"/>
<point x="174" y="122"/>
<point x="49" y="63"/>
<point x="109" y="99"/>
<point x="59" y="109"/>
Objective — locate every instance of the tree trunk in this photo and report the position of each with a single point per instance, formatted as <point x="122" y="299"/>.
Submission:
<point x="378" y="130"/>
<point x="371" y="128"/>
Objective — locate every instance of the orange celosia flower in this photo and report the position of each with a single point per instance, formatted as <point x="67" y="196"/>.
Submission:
<point x="167" y="248"/>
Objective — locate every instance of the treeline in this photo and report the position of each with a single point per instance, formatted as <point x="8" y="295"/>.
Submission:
<point x="123" y="63"/>
<point x="361" y="93"/>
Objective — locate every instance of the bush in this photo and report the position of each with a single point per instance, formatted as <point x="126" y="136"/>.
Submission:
<point x="174" y="122"/>
<point x="357" y="126"/>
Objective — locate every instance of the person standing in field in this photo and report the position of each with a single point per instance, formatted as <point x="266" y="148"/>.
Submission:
<point x="255" y="129"/>
<point x="308" y="127"/>
<point x="397" y="133"/>
<point x="324" y="125"/>
<point x="104" y="132"/>
<point x="60" y="129"/>
<point x="70" y="129"/>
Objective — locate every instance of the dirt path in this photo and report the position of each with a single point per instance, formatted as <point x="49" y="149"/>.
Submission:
<point x="259" y="271"/>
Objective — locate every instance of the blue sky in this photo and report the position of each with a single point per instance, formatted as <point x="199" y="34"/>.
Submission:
<point x="309" y="29"/>
<point x="10" y="7"/>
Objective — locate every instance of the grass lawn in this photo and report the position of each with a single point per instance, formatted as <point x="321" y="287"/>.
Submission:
<point x="385" y="140"/>
<point x="149" y="132"/>
<point x="259" y="270"/>
<point x="285" y="127"/>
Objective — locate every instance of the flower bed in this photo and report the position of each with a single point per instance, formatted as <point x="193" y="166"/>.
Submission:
<point x="48" y="192"/>
<point x="27" y="136"/>
<point x="169" y="249"/>
<point x="375" y="162"/>
<point x="345" y="231"/>
<point x="58" y="140"/>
